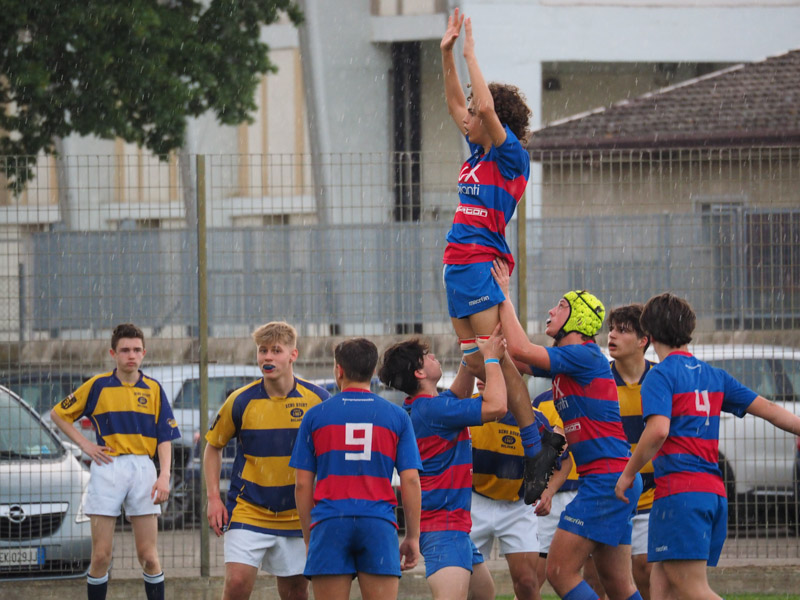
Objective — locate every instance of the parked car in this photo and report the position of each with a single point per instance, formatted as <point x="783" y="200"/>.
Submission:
<point x="44" y="532"/>
<point x="43" y="388"/>
<point x="182" y="386"/>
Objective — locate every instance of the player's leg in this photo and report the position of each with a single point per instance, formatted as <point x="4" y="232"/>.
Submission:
<point x="102" y="543"/>
<point x="592" y="577"/>
<point x="449" y="583"/>
<point x="145" y="534"/>
<point x="239" y="581"/>
<point x="522" y="568"/>
<point x="688" y="579"/>
<point x="659" y="584"/>
<point x="481" y="584"/>
<point x="641" y="568"/>
<point x="614" y="568"/>
<point x="377" y="587"/>
<point x="293" y="588"/>
<point x="567" y="555"/>
<point x="334" y="587"/>
<point x="470" y="353"/>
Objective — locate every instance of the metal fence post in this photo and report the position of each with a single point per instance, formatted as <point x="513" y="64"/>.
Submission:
<point x="202" y="324"/>
<point x="522" y="261"/>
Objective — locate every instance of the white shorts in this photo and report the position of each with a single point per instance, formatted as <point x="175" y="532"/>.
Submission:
<point x="641" y="527"/>
<point x="276" y="554"/>
<point x="127" y="481"/>
<point x="549" y="523"/>
<point x="513" y="524"/>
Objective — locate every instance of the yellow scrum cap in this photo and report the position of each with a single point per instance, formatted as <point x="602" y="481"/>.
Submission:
<point x="586" y="313"/>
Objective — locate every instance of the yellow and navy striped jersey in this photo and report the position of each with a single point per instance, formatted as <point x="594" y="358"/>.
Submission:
<point x="497" y="452"/>
<point x="630" y="408"/>
<point x="544" y="403"/>
<point x="261" y="495"/>
<point x="129" y="419"/>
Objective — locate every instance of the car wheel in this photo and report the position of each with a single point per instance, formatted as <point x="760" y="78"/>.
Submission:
<point x="736" y="510"/>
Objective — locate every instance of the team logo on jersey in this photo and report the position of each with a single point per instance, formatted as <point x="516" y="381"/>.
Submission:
<point x="296" y="413"/>
<point x="142" y="401"/>
<point x="472" y="211"/>
<point x="172" y="423"/>
<point x="572" y="427"/>
<point x="509" y="440"/>
<point x="68" y="401"/>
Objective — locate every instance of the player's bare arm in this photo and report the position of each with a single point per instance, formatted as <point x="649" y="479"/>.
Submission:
<point x="453" y="93"/>
<point x="655" y="433"/>
<point x="495" y="394"/>
<point x="160" y="491"/>
<point x="411" y="493"/>
<point x="212" y="467"/>
<point x="463" y="383"/>
<point x="777" y="415"/>
<point x="304" y="499"/>
<point x="98" y="454"/>
<point x="482" y="101"/>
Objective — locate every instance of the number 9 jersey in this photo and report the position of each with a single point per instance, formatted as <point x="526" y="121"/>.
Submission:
<point x="353" y="442"/>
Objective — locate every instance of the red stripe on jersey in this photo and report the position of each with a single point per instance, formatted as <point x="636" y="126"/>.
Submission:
<point x="676" y="483"/>
<point x="455" y="477"/>
<point x="466" y="254"/>
<point x="483" y="218"/>
<point x="603" y="465"/>
<point x="332" y="437"/>
<point x="434" y="445"/>
<point x="597" y="389"/>
<point x="354" y="487"/>
<point x="446" y="520"/>
<point x="589" y="429"/>
<point x="708" y="450"/>
<point x="487" y="173"/>
<point x="693" y="404"/>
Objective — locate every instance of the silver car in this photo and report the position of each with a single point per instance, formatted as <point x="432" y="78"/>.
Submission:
<point x="44" y="532"/>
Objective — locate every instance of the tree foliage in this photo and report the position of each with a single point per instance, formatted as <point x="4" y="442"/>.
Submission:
<point x="134" y="69"/>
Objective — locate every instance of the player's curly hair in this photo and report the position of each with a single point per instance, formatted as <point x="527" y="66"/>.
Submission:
<point x="399" y="364"/>
<point x="511" y="108"/>
<point x="668" y="320"/>
<point x="127" y="331"/>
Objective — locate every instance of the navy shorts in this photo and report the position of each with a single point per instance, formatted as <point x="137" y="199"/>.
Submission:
<point x="350" y="545"/>
<point x="688" y="526"/>
<point x="442" y="549"/>
<point x="597" y="514"/>
<point x="471" y="289"/>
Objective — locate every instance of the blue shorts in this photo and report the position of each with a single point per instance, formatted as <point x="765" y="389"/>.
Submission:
<point x="350" y="545"/>
<point x="471" y="289"/>
<point x="442" y="549"/>
<point x="688" y="526"/>
<point x="597" y="514"/>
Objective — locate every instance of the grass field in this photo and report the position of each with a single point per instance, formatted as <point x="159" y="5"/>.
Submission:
<point x="728" y="597"/>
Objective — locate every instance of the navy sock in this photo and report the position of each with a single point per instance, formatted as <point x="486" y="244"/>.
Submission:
<point x="96" y="587"/>
<point x="582" y="591"/>
<point x="154" y="586"/>
<point x="531" y="440"/>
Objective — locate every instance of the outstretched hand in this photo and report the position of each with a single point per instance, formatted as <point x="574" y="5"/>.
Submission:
<point x="454" y="23"/>
<point x="469" y="41"/>
<point x="501" y="274"/>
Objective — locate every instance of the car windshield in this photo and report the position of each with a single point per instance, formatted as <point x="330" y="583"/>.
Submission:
<point x="765" y="376"/>
<point x="22" y="434"/>
<point x="791" y="368"/>
<point x="219" y="388"/>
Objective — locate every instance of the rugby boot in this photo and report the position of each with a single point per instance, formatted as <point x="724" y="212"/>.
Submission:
<point x="539" y="468"/>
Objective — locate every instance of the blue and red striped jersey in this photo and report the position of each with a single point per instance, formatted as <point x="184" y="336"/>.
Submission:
<point x="585" y="396"/>
<point x="353" y="442"/>
<point x="489" y="188"/>
<point x="691" y="394"/>
<point x="441" y="425"/>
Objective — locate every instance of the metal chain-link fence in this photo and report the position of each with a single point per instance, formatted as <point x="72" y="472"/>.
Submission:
<point x="198" y="251"/>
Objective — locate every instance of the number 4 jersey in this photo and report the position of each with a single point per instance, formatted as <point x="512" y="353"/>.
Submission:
<point x="353" y="442"/>
<point x="691" y="394"/>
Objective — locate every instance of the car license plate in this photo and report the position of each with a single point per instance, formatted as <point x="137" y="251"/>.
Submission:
<point x="17" y="557"/>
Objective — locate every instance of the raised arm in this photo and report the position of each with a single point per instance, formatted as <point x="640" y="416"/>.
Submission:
<point x="482" y="101"/>
<point x="453" y="93"/>
<point x="519" y="346"/>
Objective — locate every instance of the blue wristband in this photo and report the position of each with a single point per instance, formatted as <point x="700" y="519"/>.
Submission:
<point x="463" y="363"/>
<point x="489" y="361"/>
